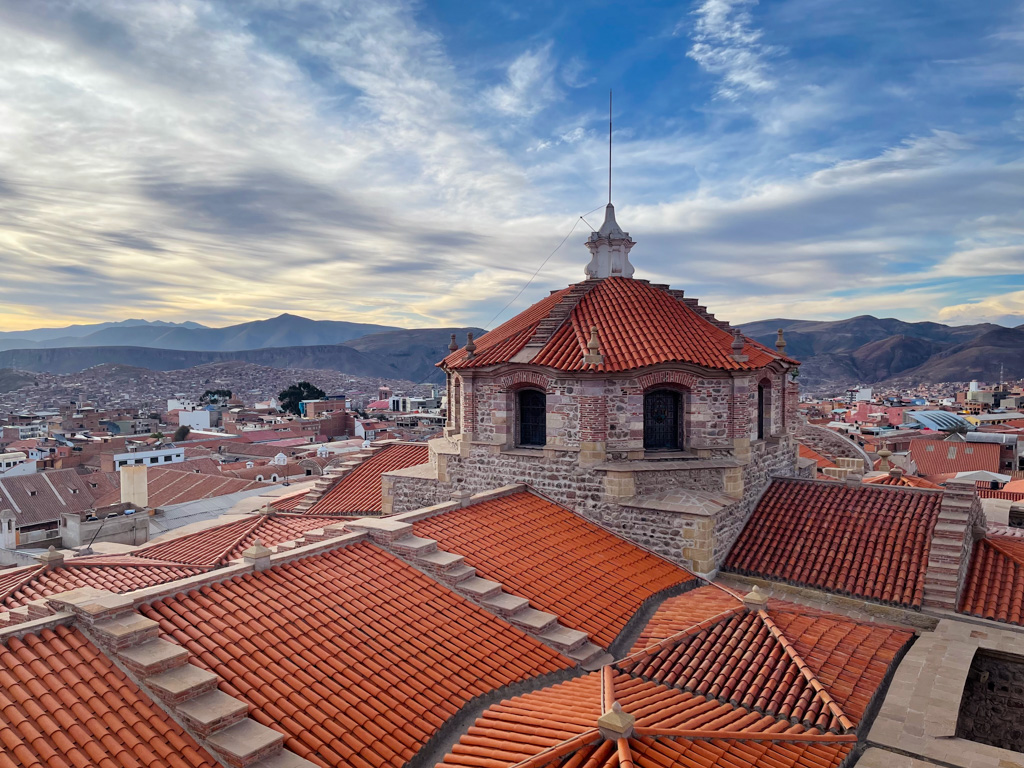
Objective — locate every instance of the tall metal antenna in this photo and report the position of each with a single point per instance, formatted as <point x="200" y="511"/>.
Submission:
<point x="609" y="146"/>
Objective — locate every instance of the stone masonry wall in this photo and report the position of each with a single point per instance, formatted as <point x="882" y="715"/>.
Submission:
<point x="993" y="702"/>
<point x="698" y="542"/>
<point x="716" y="409"/>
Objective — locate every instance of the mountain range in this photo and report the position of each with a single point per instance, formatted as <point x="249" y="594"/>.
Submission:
<point x="286" y="341"/>
<point x="871" y="350"/>
<point x="839" y="353"/>
<point x="281" y="331"/>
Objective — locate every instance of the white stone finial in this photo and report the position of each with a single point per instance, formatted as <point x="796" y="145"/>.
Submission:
<point x="609" y="249"/>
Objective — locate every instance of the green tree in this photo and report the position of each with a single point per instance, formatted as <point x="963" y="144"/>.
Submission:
<point x="296" y="393"/>
<point x="180" y="433"/>
<point x="157" y="435"/>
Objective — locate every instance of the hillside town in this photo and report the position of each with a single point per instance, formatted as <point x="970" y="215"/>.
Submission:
<point x="590" y="547"/>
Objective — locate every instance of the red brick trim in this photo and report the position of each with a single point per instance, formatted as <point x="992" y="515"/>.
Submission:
<point x="522" y="379"/>
<point x="660" y="378"/>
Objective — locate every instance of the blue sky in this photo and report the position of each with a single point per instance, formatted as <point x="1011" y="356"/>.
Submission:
<point x="414" y="163"/>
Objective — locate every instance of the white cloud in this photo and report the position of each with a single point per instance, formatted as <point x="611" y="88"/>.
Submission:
<point x="529" y="85"/>
<point x="1007" y="309"/>
<point x="726" y="43"/>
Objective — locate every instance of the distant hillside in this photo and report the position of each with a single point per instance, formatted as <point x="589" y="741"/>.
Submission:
<point x="867" y="350"/>
<point x="399" y="354"/>
<point x="11" y="380"/>
<point x="281" y="331"/>
<point x="980" y="358"/>
<point x="415" y="352"/>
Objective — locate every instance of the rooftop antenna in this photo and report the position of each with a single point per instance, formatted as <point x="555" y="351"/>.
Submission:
<point x="609" y="146"/>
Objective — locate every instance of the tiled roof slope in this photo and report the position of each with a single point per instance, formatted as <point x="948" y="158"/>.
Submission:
<point x="810" y="453"/>
<point x="638" y="325"/>
<point x="849" y="658"/>
<point x="355" y="656"/>
<point x="359" y="492"/>
<point x="118" y="573"/>
<point x="64" y="703"/>
<point x="995" y="582"/>
<point x="934" y="457"/>
<point x="557" y="726"/>
<point x="290" y="502"/>
<point x="42" y="497"/>
<point x="171" y="486"/>
<point x="867" y="541"/>
<point x="223" y="543"/>
<point x="902" y="480"/>
<point x="591" y="579"/>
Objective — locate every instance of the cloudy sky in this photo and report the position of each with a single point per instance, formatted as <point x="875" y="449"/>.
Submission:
<point x="414" y="163"/>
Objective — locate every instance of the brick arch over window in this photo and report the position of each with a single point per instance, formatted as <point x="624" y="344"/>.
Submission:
<point x="521" y="379"/>
<point x="659" y="380"/>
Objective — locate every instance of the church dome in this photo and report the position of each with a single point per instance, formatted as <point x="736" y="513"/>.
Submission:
<point x="638" y="324"/>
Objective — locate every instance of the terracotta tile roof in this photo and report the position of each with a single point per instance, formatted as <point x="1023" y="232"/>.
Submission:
<point x="42" y="497"/>
<point x="753" y="659"/>
<point x="684" y="611"/>
<point x="289" y="502"/>
<point x="173" y="486"/>
<point x="355" y="656"/>
<point x="994" y="588"/>
<point x="638" y="325"/>
<point x="808" y="453"/>
<point x="591" y="579"/>
<point x="988" y="493"/>
<point x="119" y="573"/>
<point x="934" y="457"/>
<point x="903" y="480"/>
<point x="674" y="729"/>
<point x="868" y="541"/>
<point x="359" y="492"/>
<point x="223" y="543"/>
<point x="64" y="703"/>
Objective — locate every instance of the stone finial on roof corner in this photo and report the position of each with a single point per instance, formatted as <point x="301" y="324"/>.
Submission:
<point x="593" y="355"/>
<point x="470" y="346"/>
<point x="737" y="347"/>
<point x="755" y="600"/>
<point x="258" y="556"/>
<point x="780" y="343"/>
<point x="453" y="345"/>
<point x="51" y="558"/>
<point x="616" y="724"/>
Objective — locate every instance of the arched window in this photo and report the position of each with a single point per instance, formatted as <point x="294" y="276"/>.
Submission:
<point x="764" y="409"/>
<point x="662" y="425"/>
<point x="533" y="414"/>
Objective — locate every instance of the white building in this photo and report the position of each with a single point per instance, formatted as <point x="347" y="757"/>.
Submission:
<point x="151" y="458"/>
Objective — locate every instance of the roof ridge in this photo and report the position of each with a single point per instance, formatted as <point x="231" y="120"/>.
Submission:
<point x="557" y="317"/>
<point x="29" y="576"/>
<point x="671" y="640"/>
<point x="806" y="671"/>
<point x="1000" y="547"/>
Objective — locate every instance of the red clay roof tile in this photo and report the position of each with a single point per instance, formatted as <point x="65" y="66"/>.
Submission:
<point x="868" y="541"/>
<point x="638" y="325"/>
<point x="936" y="457"/>
<point x="353" y="655"/>
<point x="591" y="579"/>
<point x="119" y="573"/>
<point x="223" y="543"/>
<point x="359" y="492"/>
<point x="64" y="703"/>
<point x="995" y="582"/>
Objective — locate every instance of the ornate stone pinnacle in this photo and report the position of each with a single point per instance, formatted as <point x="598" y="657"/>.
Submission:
<point x="453" y="345"/>
<point x="593" y="355"/>
<point x="470" y="346"/>
<point x="616" y="724"/>
<point x="780" y="343"/>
